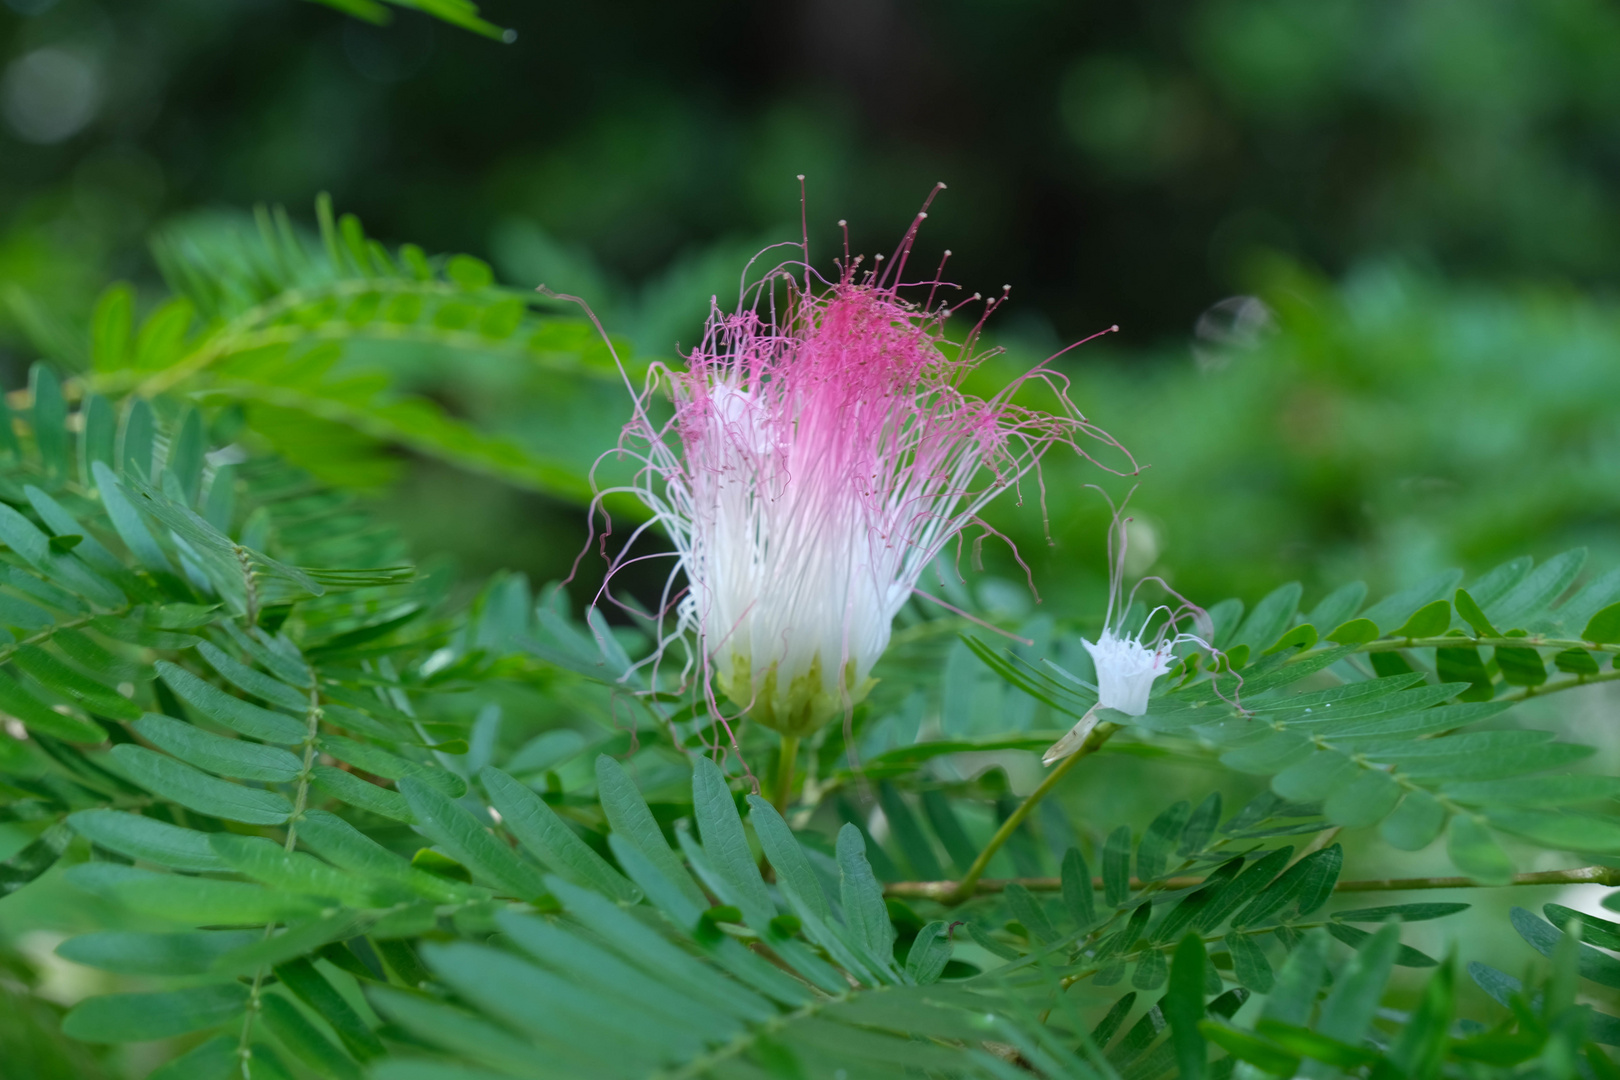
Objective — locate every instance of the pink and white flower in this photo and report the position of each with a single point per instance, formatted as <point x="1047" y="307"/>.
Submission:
<point x="821" y="454"/>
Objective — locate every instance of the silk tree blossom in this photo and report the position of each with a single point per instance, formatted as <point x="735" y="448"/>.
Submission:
<point x="821" y="454"/>
<point x="1129" y="662"/>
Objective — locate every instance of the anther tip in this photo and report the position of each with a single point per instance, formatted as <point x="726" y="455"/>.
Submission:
<point x="801" y="176"/>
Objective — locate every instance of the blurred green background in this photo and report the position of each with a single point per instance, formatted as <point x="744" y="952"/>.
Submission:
<point x="1362" y="252"/>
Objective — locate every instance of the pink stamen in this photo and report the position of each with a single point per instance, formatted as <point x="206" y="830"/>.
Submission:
<point x="821" y="453"/>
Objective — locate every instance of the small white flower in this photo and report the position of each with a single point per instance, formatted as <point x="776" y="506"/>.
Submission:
<point x="1126" y="671"/>
<point x="1128" y="664"/>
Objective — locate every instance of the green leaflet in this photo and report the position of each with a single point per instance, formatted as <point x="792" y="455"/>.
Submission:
<point x="1269" y="618"/>
<point x="1160" y="840"/>
<point x="1339" y="606"/>
<point x="341" y="844"/>
<point x="464" y="837"/>
<point x="1521" y="604"/>
<point x="1249" y="964"/>
<point x="471" y="1037"/>
<point x="289" y="871"/>
<point x="144" y="1017"/>
<point x="930" y="952"/>
<point x="1568" y="830"/>
<point x="196" y="901"/>
<point x="1116" y="868"/>
<point x="1200" y="827"/>
<point x="544" y="835"/>
<point x="129" y="952"/>
<point x="1402" y="912"/>
<point x="1030" y="914"/>
<point x="1604" y="626"/>
<point x="1394" y="610"/>
<point x="149" y="840"/>
<point x="1430" y="620"/>
<point x="380" y="762"/>
<point x="1438" y="765"/>
<point x="217" y="754"/>
<point x="196" y="790"/>
<point x="257" y="683"/>
<point x="1078" y="896"/>
<point x="295" y="941"/>
<point x="306" y="1043"/>
<point x="361" y="793"/>
<point x="49" y="417"/>
<point x="638" y="943"/>
<point x="726" y="846"/>
<point x="276" y="655"/>
<point x="633" y="822"/>
<point x="727" y="866"/>
<point x="571" y="1018"/>
<point x="1533" y="791"/>
<point x="1183" y="1007"/>
<point x="1414" y="823"/>
<point x="592" y="966"/>
<point x="212" y="1058"/>
<point x="1299" y="639"/>
<point x="794" y="875"/>
<point x="185" y="461"/>
<point x="127" y="521"/>
<point x="1592" y="963"/>
<point x="862" y="896"/>
<point x="1365" y="800"/>
<point x="1357" y="938"/>
<point x="232" y="712"/>
<point x="305" y="980"/>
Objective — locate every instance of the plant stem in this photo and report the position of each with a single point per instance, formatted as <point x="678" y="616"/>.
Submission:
<point x="1556" y="685"/>
<point x="784" y="772"/>
<point x="244" y="1051"/>
<point x="958" y="891"/>
<point x="946" y="891"/>
<point x="1531" y="641"/>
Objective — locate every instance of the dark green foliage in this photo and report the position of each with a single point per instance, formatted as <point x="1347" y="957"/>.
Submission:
<point x="362" y="824"/>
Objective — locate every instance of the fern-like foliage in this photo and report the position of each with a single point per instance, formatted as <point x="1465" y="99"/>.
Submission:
<point x="1398" y="739"/>
<point x="314" y="340"/>
<point x="361" y="828"/>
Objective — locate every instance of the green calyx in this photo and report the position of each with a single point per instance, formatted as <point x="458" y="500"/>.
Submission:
<point x="800" y="707"/>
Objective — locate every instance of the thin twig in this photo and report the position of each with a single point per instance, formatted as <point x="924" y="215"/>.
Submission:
<point x="244" y="1048"/>
<point x="1530" y="641"/>
<point x="946" y="891"/>
<point x="961" y="890"/>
